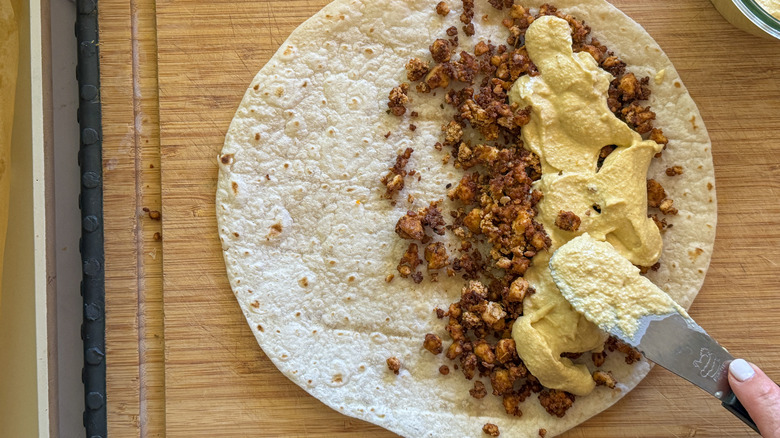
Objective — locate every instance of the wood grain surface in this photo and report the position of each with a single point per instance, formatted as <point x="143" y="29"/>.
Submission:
<point x="217" y="382"/>
<point x="131" y="183"/>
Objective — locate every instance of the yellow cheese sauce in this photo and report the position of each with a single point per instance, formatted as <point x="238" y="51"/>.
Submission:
<point x="570" y="123"/>
<point x="605" y="287"/>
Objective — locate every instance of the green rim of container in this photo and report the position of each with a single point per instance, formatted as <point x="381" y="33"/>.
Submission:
<point x="759" y="16"/>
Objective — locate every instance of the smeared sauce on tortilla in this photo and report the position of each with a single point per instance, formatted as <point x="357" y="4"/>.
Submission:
<point x="570" y="123"/>
<point x="605" y="287"/>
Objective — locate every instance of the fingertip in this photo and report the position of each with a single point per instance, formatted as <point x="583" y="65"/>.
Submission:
<point x="741" y="370"/>
<point x="758" y="394"/>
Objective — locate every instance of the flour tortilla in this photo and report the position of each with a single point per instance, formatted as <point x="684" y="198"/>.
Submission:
<point x="308" y="238"/>
<point x="9" y="62"/>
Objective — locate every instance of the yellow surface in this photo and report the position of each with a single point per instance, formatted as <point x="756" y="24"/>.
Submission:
<point x="18" y="370"/>
<point x="9" y="66"/>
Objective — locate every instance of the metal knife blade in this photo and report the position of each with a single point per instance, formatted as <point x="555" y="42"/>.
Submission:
<point x="608" y="290"/>
<point x="678" y="344"/>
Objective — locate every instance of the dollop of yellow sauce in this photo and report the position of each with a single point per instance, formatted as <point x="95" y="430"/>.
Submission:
<point x="605" y="287"/>
<point x="570" y="123"/>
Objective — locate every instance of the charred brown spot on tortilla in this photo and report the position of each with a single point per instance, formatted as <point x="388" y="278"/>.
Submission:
<point x="226" y="158"/>
<point x="394" y="365"/>
<point x="444" y="370"/>
<point x="491" y="429"/>
<point x="494" y="201"/>
<point x="542" y="433"/>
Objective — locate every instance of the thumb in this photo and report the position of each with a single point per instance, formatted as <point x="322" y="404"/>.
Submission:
<point x="758" y="394"/>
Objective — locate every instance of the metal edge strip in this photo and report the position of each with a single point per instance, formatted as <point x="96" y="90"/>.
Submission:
<point x="91" y="204"/>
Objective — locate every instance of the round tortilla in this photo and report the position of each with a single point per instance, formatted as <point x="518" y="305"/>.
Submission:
<point x="308" y="238"/>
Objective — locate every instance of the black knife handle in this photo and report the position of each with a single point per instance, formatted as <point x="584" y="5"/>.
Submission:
<point x="735" y="407"/>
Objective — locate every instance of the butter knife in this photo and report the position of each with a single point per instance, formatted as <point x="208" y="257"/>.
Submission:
<point x="610" y="292"/>
<point x="678" y="344"/>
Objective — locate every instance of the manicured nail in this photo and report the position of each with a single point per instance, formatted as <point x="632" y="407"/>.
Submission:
<point x="740" y="369"/>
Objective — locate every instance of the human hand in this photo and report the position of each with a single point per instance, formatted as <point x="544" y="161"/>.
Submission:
<point x="758" y="394"/>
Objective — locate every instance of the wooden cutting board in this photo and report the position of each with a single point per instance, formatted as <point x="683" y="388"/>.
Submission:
<point x="173" y="74"/>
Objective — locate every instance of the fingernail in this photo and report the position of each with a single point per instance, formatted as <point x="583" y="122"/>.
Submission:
<point x="740" y="369"/>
